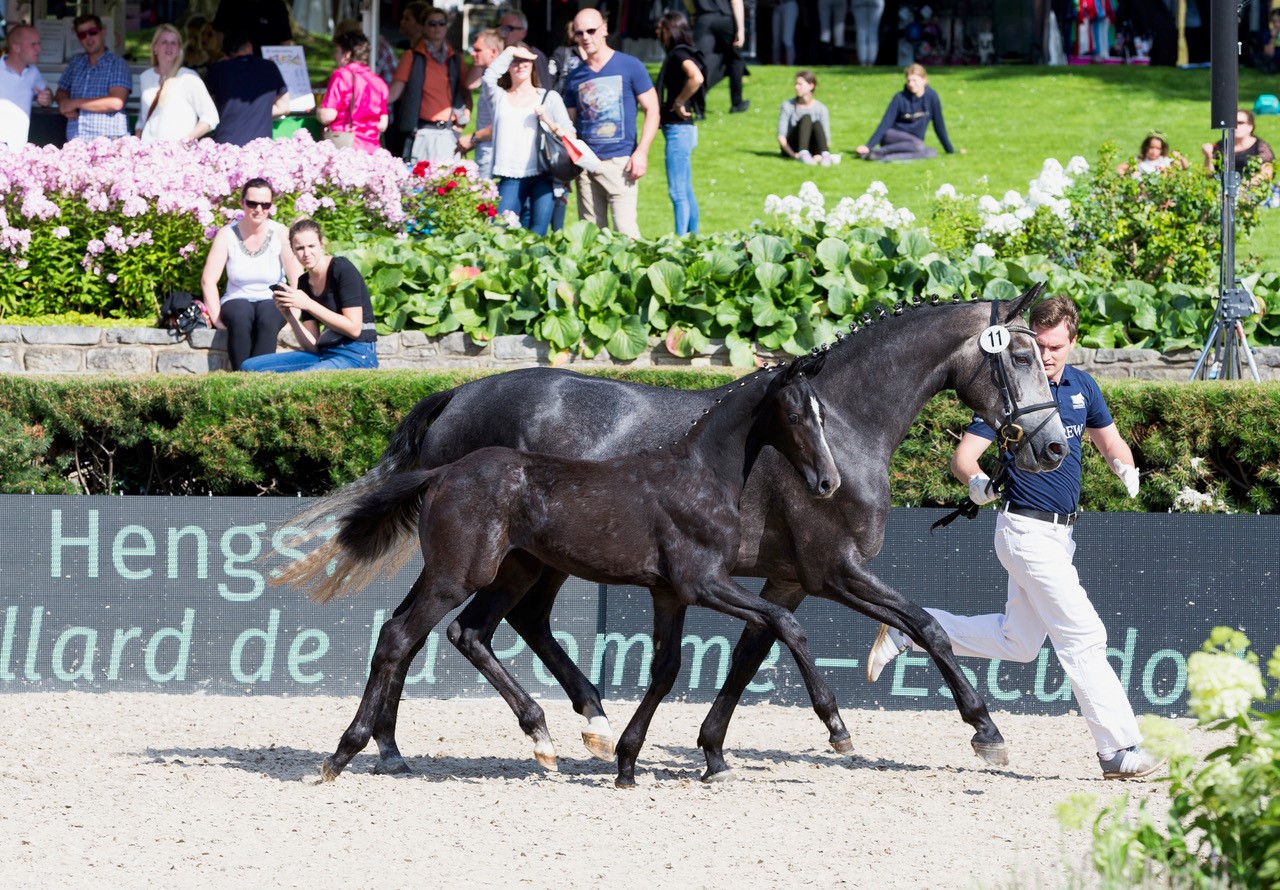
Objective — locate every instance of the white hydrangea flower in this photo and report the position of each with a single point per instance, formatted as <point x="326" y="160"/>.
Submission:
<point x="1221" y="685"/>
<point x="1013" y="198"/>
<point x="946" y="190"/>
<point x="982" y="249"/>
<point x="989" y="205"/>
<point x="1077" y="166"/>
<point x="877" y="188"/>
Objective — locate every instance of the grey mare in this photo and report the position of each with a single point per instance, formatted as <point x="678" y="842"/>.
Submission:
<point x="874" y="384"/>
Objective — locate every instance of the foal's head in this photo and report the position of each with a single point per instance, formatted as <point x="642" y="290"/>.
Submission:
<point x="791" y="421"/>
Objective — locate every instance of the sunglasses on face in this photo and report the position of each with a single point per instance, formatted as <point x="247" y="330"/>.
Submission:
<point x="88" y="32"/>
<point x="507" y="29"/>
<point x="257" y="205"/>
<point x="586" y="32"/>
<point x="436" y="23"/>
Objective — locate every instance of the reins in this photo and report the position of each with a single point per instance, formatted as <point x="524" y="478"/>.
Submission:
<point x="1010" y="435"/>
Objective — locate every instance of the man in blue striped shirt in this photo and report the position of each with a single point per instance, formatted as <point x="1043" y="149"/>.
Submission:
<point x="92" y="90"/>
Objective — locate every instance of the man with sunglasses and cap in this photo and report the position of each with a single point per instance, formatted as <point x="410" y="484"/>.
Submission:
<point x="429" y="90"/>
<point x="1034" y="541"/>
<point x="94" y="86"/>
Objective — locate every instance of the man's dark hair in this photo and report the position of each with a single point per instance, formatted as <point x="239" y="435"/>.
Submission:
<point x="86" y="19"/>
<point x="234" y="41"/>
<point x="1053" y="311"/>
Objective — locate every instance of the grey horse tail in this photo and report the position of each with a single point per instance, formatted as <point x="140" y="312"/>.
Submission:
<point x="379" y="534"/>
<point x="365" y="541"/>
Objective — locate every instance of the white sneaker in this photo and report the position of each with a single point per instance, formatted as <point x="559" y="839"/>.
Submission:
<point x="826" y="159"/>
<point x="804" y="157"/>
<point x="889" y="644"/>
<point x="1131" y="763"/>
<point x="835" y="159"/>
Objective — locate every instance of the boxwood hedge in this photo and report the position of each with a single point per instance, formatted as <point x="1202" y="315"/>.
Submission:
<point x="1200" y="446"/>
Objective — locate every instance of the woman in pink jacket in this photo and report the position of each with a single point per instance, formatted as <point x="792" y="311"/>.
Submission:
<point x="355" y="101"/>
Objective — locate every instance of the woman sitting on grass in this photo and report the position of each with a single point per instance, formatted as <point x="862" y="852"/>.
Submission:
<point x="900" y="136"/>
<point x="804" y="125"/>
<point x="330" y="293"/>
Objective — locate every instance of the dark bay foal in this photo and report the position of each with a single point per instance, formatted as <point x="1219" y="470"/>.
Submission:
<point x="667" y="519"/>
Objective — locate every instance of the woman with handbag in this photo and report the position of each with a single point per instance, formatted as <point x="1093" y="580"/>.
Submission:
<point x="354" y="110"/>
<point x="526" y="182"/>
<point x="175" y="106"/>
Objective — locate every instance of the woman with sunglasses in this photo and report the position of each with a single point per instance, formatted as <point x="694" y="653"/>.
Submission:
<point x="331" y="294"/>
<point x="1252" y="153"/>
<point x="254" y="252"/>
<point x="175" y="106"/>
<point x="519" y="103"/>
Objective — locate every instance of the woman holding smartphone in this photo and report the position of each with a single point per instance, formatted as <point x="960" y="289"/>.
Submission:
<point x="331" y="295"/>
<point x="254" y="252"/>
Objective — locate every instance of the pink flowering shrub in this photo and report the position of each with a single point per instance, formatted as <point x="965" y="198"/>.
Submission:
<point x="111" y="227"/>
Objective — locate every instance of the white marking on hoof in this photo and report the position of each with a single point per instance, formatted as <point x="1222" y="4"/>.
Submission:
<point x="600" y="746"/>
<point x="725" y="775"/>
<point x="545" y="754"/>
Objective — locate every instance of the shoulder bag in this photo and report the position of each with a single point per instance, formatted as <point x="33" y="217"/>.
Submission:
<point x="346" y="138"/>
<point x="553" y="157"/>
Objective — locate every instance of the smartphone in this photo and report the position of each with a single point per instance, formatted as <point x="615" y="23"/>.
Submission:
<point x="277" y="288"/>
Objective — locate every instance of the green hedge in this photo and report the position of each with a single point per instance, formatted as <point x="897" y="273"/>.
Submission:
<point x="1206" y="446"/>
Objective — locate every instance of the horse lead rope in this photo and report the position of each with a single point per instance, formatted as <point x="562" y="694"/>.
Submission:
<point x="1011" y="436"/>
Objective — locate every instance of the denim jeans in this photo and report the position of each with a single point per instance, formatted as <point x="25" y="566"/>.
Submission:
<point x="343" y="357"/>
<point x="681" y="139"/>
<point x="532" y="197"/>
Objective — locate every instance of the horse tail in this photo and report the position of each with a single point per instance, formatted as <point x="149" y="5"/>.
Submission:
<point x="402" y="454"/>
<point x="367" y="532"/>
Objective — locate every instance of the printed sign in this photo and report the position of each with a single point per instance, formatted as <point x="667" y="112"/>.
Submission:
<point x="173" y="595"/>
<point x="292" y="62"/>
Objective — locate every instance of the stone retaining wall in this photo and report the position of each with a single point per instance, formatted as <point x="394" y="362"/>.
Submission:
<point x="86" y="350"/>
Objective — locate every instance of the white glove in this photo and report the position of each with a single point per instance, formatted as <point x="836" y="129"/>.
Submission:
<point x="980" y="489"/>
<point x="1128" y="475"/>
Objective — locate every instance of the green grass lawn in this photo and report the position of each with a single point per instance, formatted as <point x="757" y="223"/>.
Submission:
<point x="1008" y="118"/>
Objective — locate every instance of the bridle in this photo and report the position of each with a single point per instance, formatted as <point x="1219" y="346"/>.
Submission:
<point x="1010" y="435"/>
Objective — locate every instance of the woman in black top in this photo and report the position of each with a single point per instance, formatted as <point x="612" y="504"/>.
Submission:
<point x="900" y="136"/>
<point x="1251" y="153"/>
<point x="331" y="294"/>
<point x="680" y="99"/>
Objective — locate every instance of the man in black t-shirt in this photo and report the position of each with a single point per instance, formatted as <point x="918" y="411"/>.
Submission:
<point x="248" y="91"/>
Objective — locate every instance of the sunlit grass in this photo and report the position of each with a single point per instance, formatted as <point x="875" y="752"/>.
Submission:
<point x="1008" y="118"/>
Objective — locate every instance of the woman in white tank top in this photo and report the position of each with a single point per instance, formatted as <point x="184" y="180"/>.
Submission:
<point x="254" y="252"/>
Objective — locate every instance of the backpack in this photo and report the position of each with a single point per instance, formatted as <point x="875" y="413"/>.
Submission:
<point x="182" y="313"/>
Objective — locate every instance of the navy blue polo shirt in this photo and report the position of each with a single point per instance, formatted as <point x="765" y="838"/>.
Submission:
<point x="1082" y="407"/>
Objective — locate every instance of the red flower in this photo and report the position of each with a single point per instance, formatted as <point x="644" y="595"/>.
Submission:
<point x="441" y="190"/>
<point x="421" y="169"/>
<point x="487" y="209"/>
<point x="459" y="171"/>
<point x="450" y="185"/>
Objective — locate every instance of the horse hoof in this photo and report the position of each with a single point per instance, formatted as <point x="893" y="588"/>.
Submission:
<point x="842" y="745"/>
<point x="391" y="767"/>
<point x="995" y="754"/>
<point x="327" y="772"/>
<point x="626" y="784"/>
<point x="600" y="746"/>
<point x="725" y="775"/>
<point x="547" y="761"/>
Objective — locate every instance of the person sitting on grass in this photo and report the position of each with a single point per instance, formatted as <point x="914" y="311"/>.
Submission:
<point x="330" y="293"/>
<point x="900" y="136"/>
<point x="804" y="125"/>
<point x="1154" y="156"/>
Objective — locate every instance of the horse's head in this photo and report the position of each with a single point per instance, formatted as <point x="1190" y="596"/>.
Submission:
<point x="1006" y="385"/>
<point x="792" y="415"/>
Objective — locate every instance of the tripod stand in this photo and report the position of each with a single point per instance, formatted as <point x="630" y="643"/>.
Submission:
<point x="1226" y="352"/>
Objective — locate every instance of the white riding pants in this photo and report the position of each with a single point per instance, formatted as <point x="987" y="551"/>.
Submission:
<point x="1046" y="600"/>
